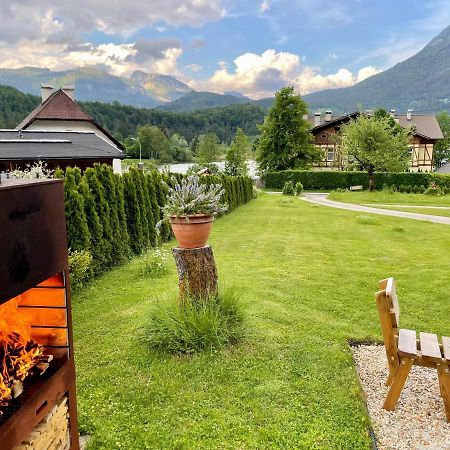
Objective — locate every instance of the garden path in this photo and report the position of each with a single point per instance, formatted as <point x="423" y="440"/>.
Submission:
<point x="321" y="199"/>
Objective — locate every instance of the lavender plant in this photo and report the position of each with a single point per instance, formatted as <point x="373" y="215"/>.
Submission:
<point x="190" y="197"/>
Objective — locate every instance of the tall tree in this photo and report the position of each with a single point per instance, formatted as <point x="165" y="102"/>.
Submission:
<point x="237" y="154"/>
<point x="207" y="149"/>
<point x="154" y="143"/>
<point x="376" y="145"/>
<point x="285" y="141"/>
<point x="442" y="147"/>
<point x="179" y="148"/>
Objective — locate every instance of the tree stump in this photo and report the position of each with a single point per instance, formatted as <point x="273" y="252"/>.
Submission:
<point x="197" y="271"/>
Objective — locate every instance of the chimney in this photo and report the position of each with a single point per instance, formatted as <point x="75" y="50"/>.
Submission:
<point x="409" y="114"/>
<point x="69" y="91"/>
<point x="317" y="119"/>
<point x="392" y="113"/>
<point x="327" y="115"/>
<point x="46" y="91"/>
<point x="368" y="112"/>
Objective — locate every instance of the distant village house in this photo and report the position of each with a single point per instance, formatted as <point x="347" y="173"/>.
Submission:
<point x="60" y="133"/>
<point x="426" y="132"/>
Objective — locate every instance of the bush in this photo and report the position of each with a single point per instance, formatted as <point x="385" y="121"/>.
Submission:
<point x="154" y="263"/>
<point x="298" y="188"/>
<point x="435" y="190"/>
<point x="195" y="325"/>
<point x="254" y="192"/>
<point x="344" y="179"/>
<point x="288" y="188"/>
<point x="80" y="262"/>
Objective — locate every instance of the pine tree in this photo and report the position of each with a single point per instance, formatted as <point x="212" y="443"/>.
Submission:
<point x="78" y="236"/>
<point x="237" y="154"/>
<point x="95" y="228"/>
<point x="124" y="236"/>
<point x="105" y="177"/>
<point x="133" y="214"/>
<point x="138" y="180"/>
<point x="102" y="208"/>
<point x="286" y="141"/>
<point x="156" y="212"/>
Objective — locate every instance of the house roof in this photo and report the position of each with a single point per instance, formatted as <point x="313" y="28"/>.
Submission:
<point x="59" y="106"/>
<point x="424" y="125"/>
<point x="72" y="145"/>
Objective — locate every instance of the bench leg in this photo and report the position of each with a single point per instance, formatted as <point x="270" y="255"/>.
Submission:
<point x="393" y="368"/>
<point x="397" y="384"/>
<point x="444" y="384"/>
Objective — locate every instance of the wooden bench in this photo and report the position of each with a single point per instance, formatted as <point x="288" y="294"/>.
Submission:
<point x="357" y="188"/>
<point x="403" y="349"/>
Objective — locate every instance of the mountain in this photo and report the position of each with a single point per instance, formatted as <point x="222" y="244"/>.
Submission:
<point x="422" y="83"/>
<point x="141" y="90"/>
<point x="195" y="100"/>
<point x="162" y="87"/>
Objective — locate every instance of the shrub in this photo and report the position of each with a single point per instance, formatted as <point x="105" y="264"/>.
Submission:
<point x="415" y="189"/>
<point x="422" y="188"/>
<point x="344" y="179"/>
<point x="154" y="263"/>
<point x="254" y="192"/>
<point x="435" y="190"/>
<point x="196" y="324"/>
<point x="190" y="197"/>
<point x="288" y="188"/>
<point x="298" y="188"/>
<point x="393" y="188"/>
<point x="368" y="220"/>
<point x="402" y="188"/>
<point x="80" y="262"/>
<point x="398" y="229"/>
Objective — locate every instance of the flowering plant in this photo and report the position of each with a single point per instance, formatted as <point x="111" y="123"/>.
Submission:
<point x="190" y="197"/>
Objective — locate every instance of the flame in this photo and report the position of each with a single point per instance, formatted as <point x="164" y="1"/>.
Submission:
<point x="18" y="351"/>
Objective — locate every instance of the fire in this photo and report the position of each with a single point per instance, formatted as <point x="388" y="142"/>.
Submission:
<point x="18" y="351"/>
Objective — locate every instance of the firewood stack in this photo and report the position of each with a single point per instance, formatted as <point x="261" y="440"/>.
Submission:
<point x="18" y="361"/>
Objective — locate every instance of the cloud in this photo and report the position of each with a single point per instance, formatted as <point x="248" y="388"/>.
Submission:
<point x="264" y="6"/>
<point x="261" y="75"/>
<point x="152" y="49"/>
<point x="193" y="67"/>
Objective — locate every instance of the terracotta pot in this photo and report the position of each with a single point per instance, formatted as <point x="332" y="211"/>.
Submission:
<point x="192" y="231"/>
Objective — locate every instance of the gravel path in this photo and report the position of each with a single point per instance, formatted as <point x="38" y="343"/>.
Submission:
<point x="418" y="422"/>
<point x="321" y="199"/>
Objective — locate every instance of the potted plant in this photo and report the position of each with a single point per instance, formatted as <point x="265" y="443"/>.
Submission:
<point x="191" y="208"/>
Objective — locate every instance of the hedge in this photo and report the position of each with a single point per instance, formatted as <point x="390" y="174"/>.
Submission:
<point x="343" y="179"/>
<point x="114" y="217"/>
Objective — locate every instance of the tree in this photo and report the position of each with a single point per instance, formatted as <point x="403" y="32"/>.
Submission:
<point x="179" y="148"/>
<point x="285" y="141"/>
<point x="207" y="149"/>
<point x="375" y="145"/>
<point x="154" y="143"/>
<point x="236" y="156"/>
<point x="442" y="147"/>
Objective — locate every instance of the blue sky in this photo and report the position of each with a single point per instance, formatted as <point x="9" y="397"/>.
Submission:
<point x="253" y="47"/>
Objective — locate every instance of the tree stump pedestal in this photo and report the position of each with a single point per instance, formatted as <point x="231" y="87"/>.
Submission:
<point x="197" y="271"/>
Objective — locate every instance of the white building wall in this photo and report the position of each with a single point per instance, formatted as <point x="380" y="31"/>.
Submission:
<point x="68" y="125"/>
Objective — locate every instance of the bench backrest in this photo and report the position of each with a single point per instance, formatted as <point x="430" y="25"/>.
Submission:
<point x="389" y="311"/>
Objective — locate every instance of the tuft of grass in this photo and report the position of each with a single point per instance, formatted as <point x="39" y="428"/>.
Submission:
<point x="367" y="220"/>
<point x="399" y="229"/>
<point x="195" y="325"/>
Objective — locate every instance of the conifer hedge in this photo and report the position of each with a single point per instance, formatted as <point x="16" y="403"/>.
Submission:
<point x="343" y="179"/>
<point x="115" y="216"/>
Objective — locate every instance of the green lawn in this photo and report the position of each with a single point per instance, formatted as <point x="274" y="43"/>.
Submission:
<point x="307" y="275"/>
<point x="419" y="210"/>
<point x="396" y="198"/>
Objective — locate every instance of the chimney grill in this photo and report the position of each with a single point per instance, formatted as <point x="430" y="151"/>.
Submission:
<point x="409" y="114"/>
<point x="327" y="116"/>
<point x="35" y="298"/>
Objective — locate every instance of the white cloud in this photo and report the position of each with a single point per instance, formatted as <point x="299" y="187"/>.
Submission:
<point x="264" y="6"/>
<point x="193" y="67"/>
<point x="261" y="75"/>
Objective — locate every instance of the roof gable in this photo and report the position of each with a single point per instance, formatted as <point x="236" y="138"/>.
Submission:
<point x="59" y="106"/>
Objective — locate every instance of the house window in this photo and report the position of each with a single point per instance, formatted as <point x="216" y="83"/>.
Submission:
<point x="330" y="154"/>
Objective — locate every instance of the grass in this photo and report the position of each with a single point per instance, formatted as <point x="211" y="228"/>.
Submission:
<point x="396" y="198"/>
<point x="419" y="210"/>
<point x="307" y="278"/>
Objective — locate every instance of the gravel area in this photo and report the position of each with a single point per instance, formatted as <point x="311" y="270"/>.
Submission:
<point x="418" y="422"/>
